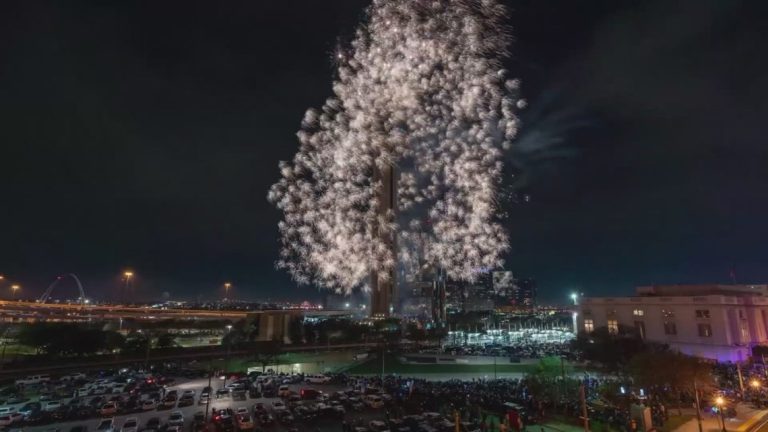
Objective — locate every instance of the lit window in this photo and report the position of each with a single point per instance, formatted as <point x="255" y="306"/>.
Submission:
<point x="705" y="330"/>
<point x="638" y="312"/>
<point x="670" y="328"/>
<point x="613" y="327"/>
<point x="668" y="313"/>
<point x="744" y="332"/>
<point x="589" y="325"/>
<point x="702" y="313"/>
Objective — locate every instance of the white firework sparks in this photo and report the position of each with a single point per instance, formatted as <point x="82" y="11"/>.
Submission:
<point x="420" y="88"/>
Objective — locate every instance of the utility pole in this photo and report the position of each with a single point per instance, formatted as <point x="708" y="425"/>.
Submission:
<point x="741" y="379"/>
<point x="698" y="407"/>
<point x="149" y="347"/>
<point x="583" y="400"/>
<point x="210" y="390"/>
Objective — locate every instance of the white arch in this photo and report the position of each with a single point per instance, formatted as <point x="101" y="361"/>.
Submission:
<point x="47" y="294"/>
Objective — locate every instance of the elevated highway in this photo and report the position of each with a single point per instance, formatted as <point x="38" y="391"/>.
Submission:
<point x="30" y="310"/>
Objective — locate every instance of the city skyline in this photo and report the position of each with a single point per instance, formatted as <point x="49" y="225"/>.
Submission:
<point x="132" y="143"/>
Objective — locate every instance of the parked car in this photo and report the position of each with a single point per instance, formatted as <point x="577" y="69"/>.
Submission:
<point x="106" y="425"/>
<point x="131" y="425"/>
<point x="374" y="401"/>
<point x="176" y="419"/>
<point x="108" y="409"/>
<point x="244" y="422"/>
<point x="33" y="379"/>
<point x="153" y="424"/>
<point x="11" y="418"/>
<point x="149" y="405"/>
<point x="52" y="406"/>
<point x="317" y="379"/>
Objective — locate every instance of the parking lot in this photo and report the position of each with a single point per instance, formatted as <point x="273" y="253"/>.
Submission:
<point x="323" y="419"/>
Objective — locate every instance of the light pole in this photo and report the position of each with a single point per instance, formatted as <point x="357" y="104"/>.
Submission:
<point x="227" y="286"/>
<point x="127" y="277"/>
<point x="720" y="402"/>
<point x="226" y="356"/>
<point x="14" y="289"/>
<point x="755" y="384"/>
<point x="575" y="313"/>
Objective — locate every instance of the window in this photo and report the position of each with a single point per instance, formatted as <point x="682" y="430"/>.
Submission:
<point x="744" y="331"/>
<point x="702" y="313"/>
<point x="613" y="326"/>
<point x="640" y="329"/>
<point x="670" y="328"/>
<point x="667" y="313"/>
<point x="586" y="312"/>
<point x="705" y="330"/>
<point x="638" y="312"/>
<point x="589" y="325"/>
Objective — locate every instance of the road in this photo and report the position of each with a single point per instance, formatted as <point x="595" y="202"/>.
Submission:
<point x="198" y="385"/>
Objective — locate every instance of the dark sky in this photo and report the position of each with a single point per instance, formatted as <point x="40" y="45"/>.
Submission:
<point x="145" y="134"/>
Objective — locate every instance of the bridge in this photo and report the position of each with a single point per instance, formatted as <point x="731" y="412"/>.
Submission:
<point x="31" y="310"/>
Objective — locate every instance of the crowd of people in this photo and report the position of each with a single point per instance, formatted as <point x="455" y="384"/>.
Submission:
<point x="522" y="349"/>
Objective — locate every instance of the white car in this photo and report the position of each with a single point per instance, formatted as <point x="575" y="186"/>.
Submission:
<point x="377" y="426"/>
<point x="73" y="376"/>
<point x="374" y="401"/>
<point x="131" y="425"/>
<point x="283" y="391"/>
<point x="317" y="379"/>
<point x="176" y="419"/>
<point x="241" y="410"/>
<point x="188" y="393"/>
<point x="7" y="409"/>
<point x="52" y="406"/>
<point x="33" y="379"/>
<point x="278" y="406"/>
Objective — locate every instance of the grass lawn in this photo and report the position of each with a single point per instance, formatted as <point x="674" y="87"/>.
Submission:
<point x="393" y="365"/>
<point x="675" y="422"/>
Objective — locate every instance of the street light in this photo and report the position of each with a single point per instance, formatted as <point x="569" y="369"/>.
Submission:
<point x="227" y="286"/>
<point x="575" y="298"/>
<point x="755" y="384"/>
<point x="720" y="402"/>
<point x="15" y="288"/>
<point x="226" y="357"/>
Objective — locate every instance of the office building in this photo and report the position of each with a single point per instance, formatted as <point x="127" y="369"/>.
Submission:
<point x="718" y="322"/>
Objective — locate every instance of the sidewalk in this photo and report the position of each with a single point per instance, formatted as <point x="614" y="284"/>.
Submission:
<point x="746" y="417"/>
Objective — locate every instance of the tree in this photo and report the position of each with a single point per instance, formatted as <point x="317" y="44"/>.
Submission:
<point x="266" y="353"/>
<point x="421" y="100"/>
<point x="670" y="374"/>
<point x="612" y="351"/>
<point x="296" y="331"/>
<point x="166" y="340"/>
<point x="136" y="343"/>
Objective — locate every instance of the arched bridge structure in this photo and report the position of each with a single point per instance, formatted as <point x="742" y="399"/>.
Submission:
<point x="47" y="294"/>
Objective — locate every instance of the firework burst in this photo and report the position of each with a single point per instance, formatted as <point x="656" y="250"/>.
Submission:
<point x="420" y="89"/>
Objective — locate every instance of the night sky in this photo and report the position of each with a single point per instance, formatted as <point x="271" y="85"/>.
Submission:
<point x="145" y="134"/>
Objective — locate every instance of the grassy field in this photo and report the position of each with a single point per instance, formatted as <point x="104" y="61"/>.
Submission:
<point x="393" y="365"/>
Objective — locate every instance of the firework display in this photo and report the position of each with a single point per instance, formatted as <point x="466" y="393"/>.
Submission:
<point x="420" y="93"/>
